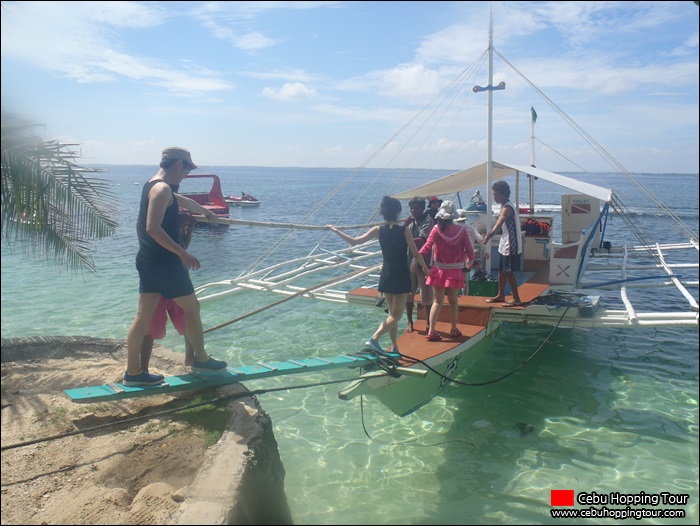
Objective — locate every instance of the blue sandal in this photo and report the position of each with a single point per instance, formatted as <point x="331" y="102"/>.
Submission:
<point x="143" y="378"/>
<point x="210" y="366"/>
<point x="374" y="346"/>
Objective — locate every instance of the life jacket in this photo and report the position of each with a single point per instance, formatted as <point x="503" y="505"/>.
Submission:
<point x="532" y="227"/>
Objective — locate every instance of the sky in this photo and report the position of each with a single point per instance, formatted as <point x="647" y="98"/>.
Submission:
<point x="325" y="84"/>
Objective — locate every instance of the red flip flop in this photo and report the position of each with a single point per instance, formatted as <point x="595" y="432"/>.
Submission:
<point x="433" y="337"/>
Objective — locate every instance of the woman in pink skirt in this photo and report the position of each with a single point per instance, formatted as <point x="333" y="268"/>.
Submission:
<point x="451" y="250"/>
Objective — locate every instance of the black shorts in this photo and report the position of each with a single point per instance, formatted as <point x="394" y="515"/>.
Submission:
<point x="170" y="279"/>
<point x="509" y="264"/>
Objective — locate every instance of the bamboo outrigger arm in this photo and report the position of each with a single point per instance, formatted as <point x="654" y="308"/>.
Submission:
<point x="288" y="226"/>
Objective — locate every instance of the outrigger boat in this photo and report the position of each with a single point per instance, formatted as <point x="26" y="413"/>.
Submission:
<point x="561" y="284"/>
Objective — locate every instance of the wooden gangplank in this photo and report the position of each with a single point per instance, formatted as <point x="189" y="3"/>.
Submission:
<point x="191" y="381"/>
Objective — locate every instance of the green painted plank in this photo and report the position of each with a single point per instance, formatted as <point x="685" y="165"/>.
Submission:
<point x="190" y="381"/>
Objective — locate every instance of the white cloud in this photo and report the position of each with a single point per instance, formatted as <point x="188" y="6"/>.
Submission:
<point x="293" y="75"/>
<point x="291" y="91"/>
<point x="73" y="40"/>
<point x="333" y="150"/>
<point x="403" y="83"/>
<point x="231" y="21"/>
<point x="224" y="29"/>
<point x="689" y="47"/>
<point x="410" y="82"/>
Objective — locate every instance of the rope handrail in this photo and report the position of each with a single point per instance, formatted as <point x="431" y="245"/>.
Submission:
<point x="288" y="226"/>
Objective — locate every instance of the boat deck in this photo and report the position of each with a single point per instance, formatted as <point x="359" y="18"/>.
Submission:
<point x="474" y="314"/>
<point x="415" y="345"/>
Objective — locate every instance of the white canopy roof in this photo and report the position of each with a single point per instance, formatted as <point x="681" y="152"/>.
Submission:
<point x="476" y="176"/>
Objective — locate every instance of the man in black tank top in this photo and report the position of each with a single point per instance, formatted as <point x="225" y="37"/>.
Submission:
<point x="163" y="265"/>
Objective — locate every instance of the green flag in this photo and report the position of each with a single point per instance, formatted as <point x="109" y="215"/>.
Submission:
<point x="534" y="114"/>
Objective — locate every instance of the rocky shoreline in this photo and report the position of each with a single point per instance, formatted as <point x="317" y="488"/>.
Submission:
<point x="157" y="471"/>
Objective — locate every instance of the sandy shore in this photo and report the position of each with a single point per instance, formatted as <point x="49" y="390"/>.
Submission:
<point x="138" y="473"/>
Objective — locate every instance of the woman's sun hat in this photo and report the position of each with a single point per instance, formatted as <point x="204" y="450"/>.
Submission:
<point x="447" y="211"/>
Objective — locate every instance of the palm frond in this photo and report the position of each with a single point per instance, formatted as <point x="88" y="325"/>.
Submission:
<point x="49" y="203"/>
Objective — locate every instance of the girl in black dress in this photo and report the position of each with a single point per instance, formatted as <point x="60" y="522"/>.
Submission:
<point x="395" y="279"/>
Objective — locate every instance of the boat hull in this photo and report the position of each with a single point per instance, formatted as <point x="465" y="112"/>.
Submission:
<point x="245" y="204"/>
<point x="244" y="201"/>
<point x="407" y="393"/>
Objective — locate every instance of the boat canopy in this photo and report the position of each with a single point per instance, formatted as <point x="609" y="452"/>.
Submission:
<point x="476" y="176"/>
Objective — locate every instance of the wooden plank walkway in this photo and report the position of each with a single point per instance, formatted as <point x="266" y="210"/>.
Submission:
<point x="192" y="381"/>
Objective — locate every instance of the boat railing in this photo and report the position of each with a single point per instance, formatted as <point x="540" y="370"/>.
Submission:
<point x="564" y="261"/>
<point x="567" y="260"/>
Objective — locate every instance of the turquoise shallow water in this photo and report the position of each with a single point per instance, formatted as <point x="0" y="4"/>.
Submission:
<point x="609" y="410"/>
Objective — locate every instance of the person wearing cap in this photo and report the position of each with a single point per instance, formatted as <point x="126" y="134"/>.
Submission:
<point x="434" y="204"/>
<point x="451" y="250"/>
<point x="420" y="224"/>
<point x="163" y="265"/>
<point x="395" y="239"/>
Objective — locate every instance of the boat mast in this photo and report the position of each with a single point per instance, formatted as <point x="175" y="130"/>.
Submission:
<point x="531" y="179"/>
<point x="489" y="135"/>
<point x="489" y="132"/>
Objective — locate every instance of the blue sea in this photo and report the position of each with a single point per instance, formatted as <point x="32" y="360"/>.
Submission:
<point x="599" y="412"/>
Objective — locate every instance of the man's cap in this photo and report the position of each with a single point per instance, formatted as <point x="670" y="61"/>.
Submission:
<point x="434" y="198"/>
<point x="175" y="152"/>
